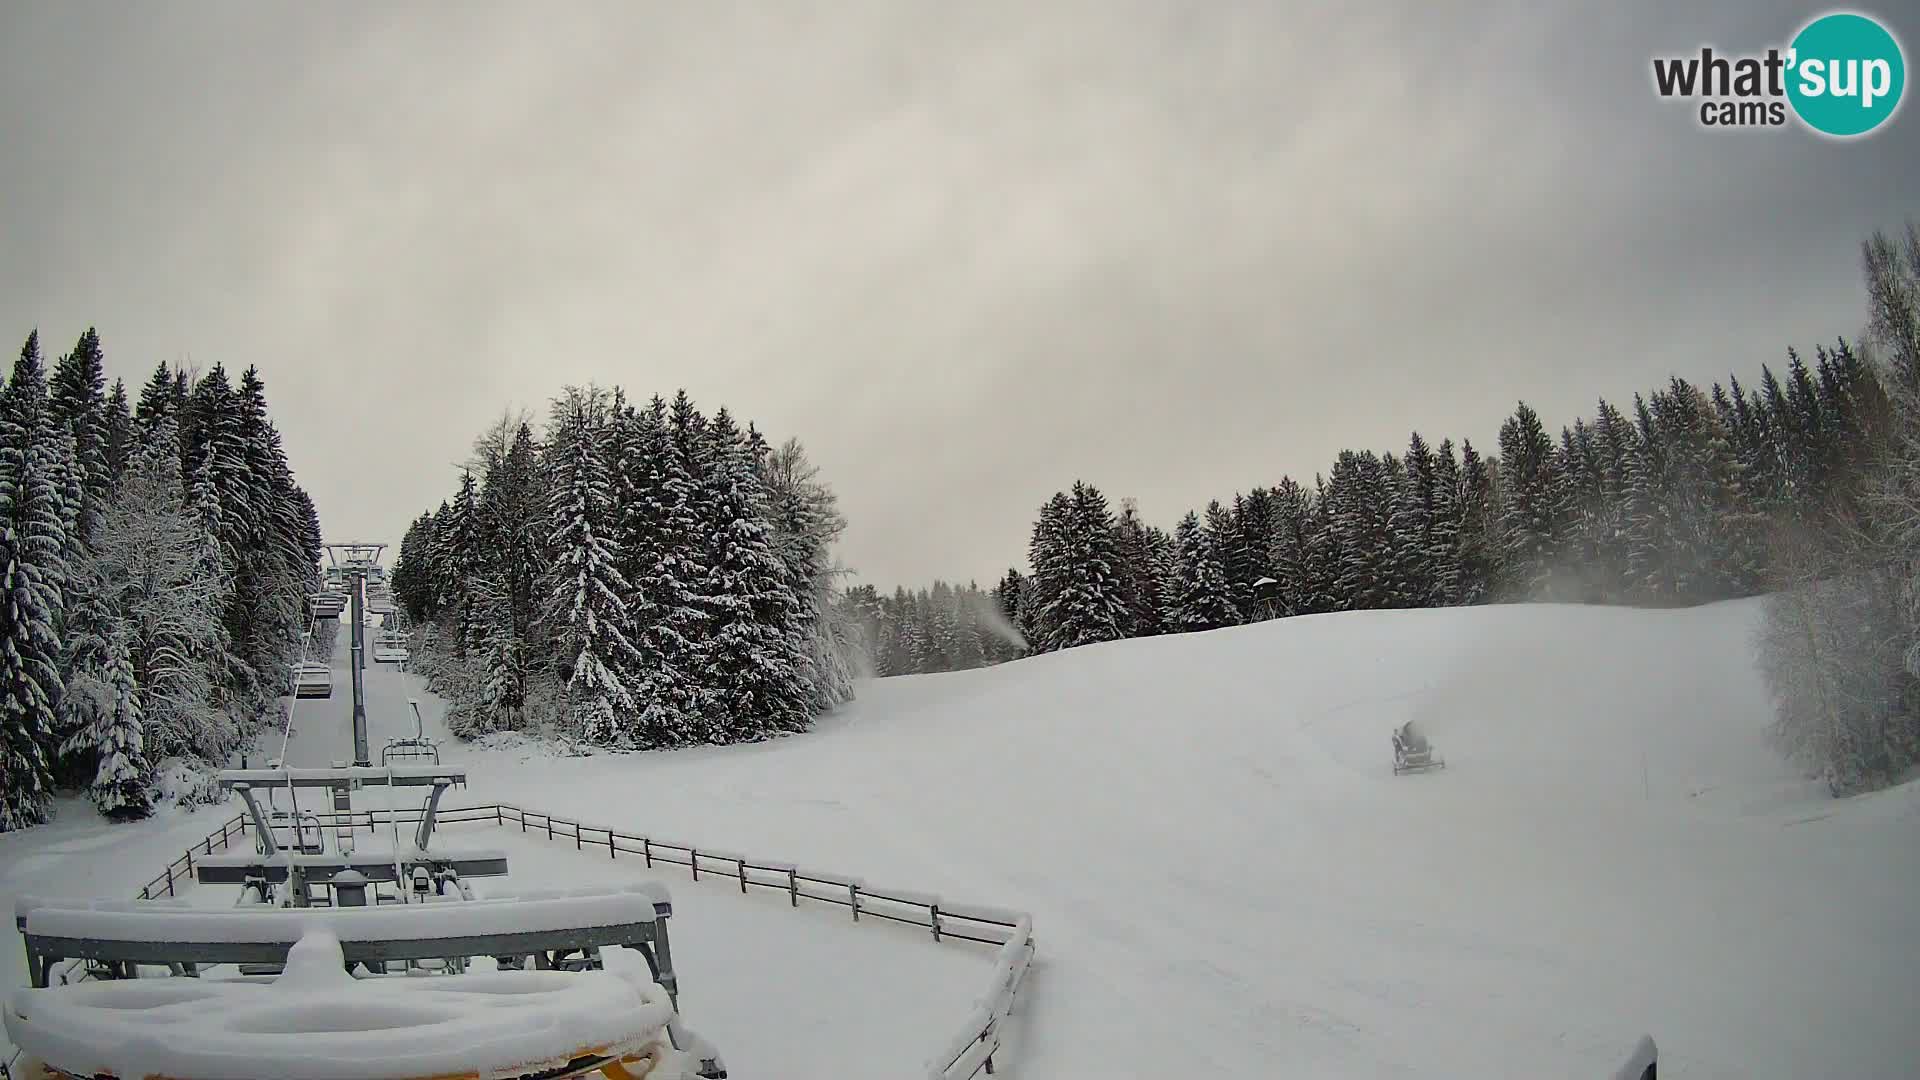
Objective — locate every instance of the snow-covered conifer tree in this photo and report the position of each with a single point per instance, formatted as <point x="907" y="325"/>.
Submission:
<point x="32" y="543"/>
<point x="1086" y="598"/>
<point x="756" y="655"/>
<point x="115" y="739"/>
<point x="1202" y="600"/>
<point x="586" y="607"/>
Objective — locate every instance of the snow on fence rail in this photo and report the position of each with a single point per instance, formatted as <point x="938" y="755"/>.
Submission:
<point x="969" y="1052"/>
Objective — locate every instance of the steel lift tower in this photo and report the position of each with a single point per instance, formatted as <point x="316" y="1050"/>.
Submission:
<point x="354" y="560"/>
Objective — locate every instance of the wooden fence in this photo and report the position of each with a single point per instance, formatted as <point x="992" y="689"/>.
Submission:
<point x="968" y="1053"/>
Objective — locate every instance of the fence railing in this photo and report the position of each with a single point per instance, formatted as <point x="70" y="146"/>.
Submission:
<point x="970" y="1051"/>
<point x="181" y="869"/>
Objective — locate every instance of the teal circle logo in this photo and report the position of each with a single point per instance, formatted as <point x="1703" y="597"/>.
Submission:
<point x="1846" y="74"/>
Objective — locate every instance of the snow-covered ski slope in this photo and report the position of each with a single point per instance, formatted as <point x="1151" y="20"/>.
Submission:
<point x="1226" y="878"/>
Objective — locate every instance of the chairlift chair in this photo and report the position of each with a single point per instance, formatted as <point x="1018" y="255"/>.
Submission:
<point x="312" y="679"/>
<point x="390" y="648"/>
<point x="297" y="831"/>
<point x="415" y="748"/>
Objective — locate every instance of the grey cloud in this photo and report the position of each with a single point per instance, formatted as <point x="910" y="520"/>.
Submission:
<point x="967" y="253"/>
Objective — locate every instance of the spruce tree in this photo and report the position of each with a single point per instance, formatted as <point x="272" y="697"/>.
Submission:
<point x="1202" y="600"/>
<point x="1532" y="509"/>
<point x="1442" y="555"/>
<point x="1411" y="526"/>
<point x="116" y="741"/>
<point x="1479" y="527"/>
<point x="77" y="404"/>
<point x="157" y="399"/>
<point x="1133" y="544"/>
<point x="1007" y="596"/>
<point x="1050" y="554"/>
<point x="756" y="659"/>
<point x="120" y="433"/>
<point x="1089" y="602"/>
<point x="33" y="539"/>
<point x="672" y="623"/>
<point x="586" y="609"/>
<point x="1290" y="554"/>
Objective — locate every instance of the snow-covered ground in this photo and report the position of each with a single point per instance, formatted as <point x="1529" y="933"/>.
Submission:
<point x="1226" y="877"/>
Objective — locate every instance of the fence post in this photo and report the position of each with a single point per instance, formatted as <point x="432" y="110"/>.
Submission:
<point x="853" y="895"/>
<point x="743" y="874"/>
<point x="549" y="826"/>
<point x="576" y="836"/>
<point x="646" y="850"/>
<point x="693" y="859"/>
<point x="499" y="817"/>
<point x="612" y="851"/>
<point x="793" y="887"/>
<point x="933" y="916"/>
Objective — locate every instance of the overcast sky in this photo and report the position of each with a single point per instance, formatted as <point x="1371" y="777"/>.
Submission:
<point x="966" y="253"/>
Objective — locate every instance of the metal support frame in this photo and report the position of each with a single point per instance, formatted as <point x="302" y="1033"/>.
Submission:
<point x="358" y="664"/>
<point x="354" y="560"/>
<point x="45" y="951"/>
<point x="301" y="871"/>
<point x="427" y="816"/>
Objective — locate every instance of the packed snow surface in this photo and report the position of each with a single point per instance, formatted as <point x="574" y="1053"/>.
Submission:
<point x="1225" y="876"/>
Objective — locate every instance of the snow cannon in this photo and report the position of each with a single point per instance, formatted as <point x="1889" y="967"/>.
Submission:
<point x="1643" y="1065"/>
<point x="1412" y="752"/>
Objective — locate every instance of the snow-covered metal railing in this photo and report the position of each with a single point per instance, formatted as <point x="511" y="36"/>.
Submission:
<point x="970" y="1052"/>
<point x="973" y="1047"/>
<point x="181" y="869"/>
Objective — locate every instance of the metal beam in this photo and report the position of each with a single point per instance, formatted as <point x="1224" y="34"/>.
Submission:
<point x="219" y="870"/>
<point x="362" y="754"/>
<point x="357" y="777"/>
<point x="368" y="951"/>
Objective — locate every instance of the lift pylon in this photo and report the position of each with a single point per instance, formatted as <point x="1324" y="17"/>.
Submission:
<point x="355" y="560"/>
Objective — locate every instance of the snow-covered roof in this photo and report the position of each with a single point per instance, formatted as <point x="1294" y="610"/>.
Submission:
<point x="316" y="1022"/>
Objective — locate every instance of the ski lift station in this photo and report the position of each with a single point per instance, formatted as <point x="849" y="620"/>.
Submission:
<point x="355" y="943"/>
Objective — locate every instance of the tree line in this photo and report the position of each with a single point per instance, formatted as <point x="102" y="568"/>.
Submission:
<point x="944" y="628"/>
<point x="1679" y="500"/>
<point x="1804" y="485"/>
<point x="638" y="576"/>
<point x="1676" y="503"/>
<point x="157" y="556"/>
